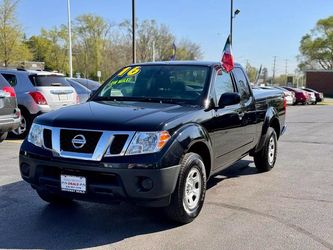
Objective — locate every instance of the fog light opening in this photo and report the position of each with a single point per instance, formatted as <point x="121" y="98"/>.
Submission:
<point x="146" y="184"/>
<point x="25" y="169"/>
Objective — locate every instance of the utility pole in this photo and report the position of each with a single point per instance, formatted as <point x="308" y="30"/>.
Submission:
<point x="274" y="65"/>
<point x="70" y="39"/>
<point x="232" y="16"/>
<point x="133" y="33"/>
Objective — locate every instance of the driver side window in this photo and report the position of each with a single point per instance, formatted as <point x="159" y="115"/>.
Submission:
<point x="223" y="84"/>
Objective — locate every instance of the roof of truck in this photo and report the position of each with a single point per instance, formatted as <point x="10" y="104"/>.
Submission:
<point x="196" y="63"/>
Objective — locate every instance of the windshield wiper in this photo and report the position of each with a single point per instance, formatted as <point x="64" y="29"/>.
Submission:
<point x="138" y="99"/>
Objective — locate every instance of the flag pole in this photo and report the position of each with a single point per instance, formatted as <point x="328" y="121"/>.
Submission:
<point x="70" y="39"/>
<point x="231" y="19"/>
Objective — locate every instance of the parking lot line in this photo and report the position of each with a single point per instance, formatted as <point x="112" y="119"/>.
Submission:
<point x="15" y="141"/>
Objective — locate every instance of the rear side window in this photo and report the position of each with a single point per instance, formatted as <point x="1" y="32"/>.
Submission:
<point x="48" y="81"/>
<point x="11" y="79"/>
<point x="92" y="85"/>
<point x="78" y="87"/>
<point x="223" y="83"/>
<point x="242" y="84"/>
<point x="3" y="82"/>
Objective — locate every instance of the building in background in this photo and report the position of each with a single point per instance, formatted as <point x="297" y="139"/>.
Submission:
<point x="320" y="80"/>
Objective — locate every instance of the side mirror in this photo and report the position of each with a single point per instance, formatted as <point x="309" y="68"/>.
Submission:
<point x="228" y="99"/>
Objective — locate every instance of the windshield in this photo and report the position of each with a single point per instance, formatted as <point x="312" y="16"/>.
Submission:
<point x="162" y="83"/>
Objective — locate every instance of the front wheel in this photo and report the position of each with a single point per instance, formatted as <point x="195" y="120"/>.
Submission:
<point x="266" y="157"/>
<point x="189" y="195"/>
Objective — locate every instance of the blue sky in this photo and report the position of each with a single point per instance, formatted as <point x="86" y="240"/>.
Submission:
<point x="263" y="29"/>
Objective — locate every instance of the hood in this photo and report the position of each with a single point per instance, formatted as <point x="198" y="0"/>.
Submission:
<point x="118" y="116"/>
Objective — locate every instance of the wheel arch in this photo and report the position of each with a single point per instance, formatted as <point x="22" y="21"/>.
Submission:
<point x="194" y="138"/>
<point x="271" y="120"/>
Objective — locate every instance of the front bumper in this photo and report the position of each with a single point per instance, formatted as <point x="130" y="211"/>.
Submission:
<point x="104" y="184"/>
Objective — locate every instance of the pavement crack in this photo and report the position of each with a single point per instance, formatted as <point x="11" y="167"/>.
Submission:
<point x="309" y="142"/>
<point x="281" y="221"/>
<point x="306" y="199"/>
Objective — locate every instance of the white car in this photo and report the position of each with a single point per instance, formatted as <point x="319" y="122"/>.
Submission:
<point x="312" y="96"/>
<point x="290" y="96"/>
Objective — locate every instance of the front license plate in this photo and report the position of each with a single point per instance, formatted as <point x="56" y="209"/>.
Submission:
<point x="74" y="184"/>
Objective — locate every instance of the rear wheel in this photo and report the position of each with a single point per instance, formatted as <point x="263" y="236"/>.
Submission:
<point x="22" y="131"/>
<point x="52" y="198"/>
<point x="189" y="195"/>
<point x="266" y="157"/>
<point x="3" y="136"/>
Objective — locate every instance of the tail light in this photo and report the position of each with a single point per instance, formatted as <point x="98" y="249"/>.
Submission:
<point x="77" y="99"/>
<point x="38" y="98"/>
<point x="10" y="91"/>
<point x="285" y="103"/>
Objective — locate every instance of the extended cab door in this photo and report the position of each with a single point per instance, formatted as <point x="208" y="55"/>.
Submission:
<point x="248" y="114"/>
<point x="227" y="126"/>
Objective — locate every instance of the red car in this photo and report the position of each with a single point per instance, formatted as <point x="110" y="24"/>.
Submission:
<point x="301" y="95"/>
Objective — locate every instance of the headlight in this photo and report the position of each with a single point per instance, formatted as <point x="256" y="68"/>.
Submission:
<point x="36" y="135"/>
<point x="148" y="142"/>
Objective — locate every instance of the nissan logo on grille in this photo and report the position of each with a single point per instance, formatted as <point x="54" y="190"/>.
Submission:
<point x="79" y="141"/>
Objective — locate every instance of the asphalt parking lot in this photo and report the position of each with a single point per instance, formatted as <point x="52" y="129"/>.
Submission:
<point x="290" y="207"/>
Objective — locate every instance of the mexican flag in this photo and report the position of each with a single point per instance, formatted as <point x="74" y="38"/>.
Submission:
<point x="227" y="60"/>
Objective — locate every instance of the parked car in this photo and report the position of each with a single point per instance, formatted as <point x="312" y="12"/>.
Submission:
<point x="154" y="134"/>
<point x="89" y="84"/>
<point x="9" y="112"/>
<point x="319" y="95"/>
<point x="38" y="92"/>
<point x="81" y="90"/>
<point x="301" y="96"/>
<point x="289" y="95"/>
<point x="312" y="97"/>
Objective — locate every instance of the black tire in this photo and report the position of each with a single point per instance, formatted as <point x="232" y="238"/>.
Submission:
<point x="53" y="198"/>
<point x="3" y="136"/>
<point x="265" y="159"/>
<point x="25" y="116"/>
<point x="179" y="209"/>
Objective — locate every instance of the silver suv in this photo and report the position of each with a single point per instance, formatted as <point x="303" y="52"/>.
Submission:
<point x="38" y="92"/>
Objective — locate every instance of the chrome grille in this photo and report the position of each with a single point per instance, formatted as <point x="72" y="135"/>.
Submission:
<point x="98" y="144"/>
<point x="66" y="137"/>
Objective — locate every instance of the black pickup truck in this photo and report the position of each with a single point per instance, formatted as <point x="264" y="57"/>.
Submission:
<point x="153" y="134"/>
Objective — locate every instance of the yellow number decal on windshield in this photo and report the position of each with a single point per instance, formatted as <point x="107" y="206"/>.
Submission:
<point x="121" y="73"/>
<point x="136" y="70"/>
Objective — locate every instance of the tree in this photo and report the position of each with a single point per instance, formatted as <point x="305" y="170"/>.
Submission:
<point x="149" y="32"/>
<point x="187" y="50"/>
<point x="317" y="46"/>
<point x="12" y="48"/>
<point x="92" y="38"/>
<point x="251" y="72"/>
